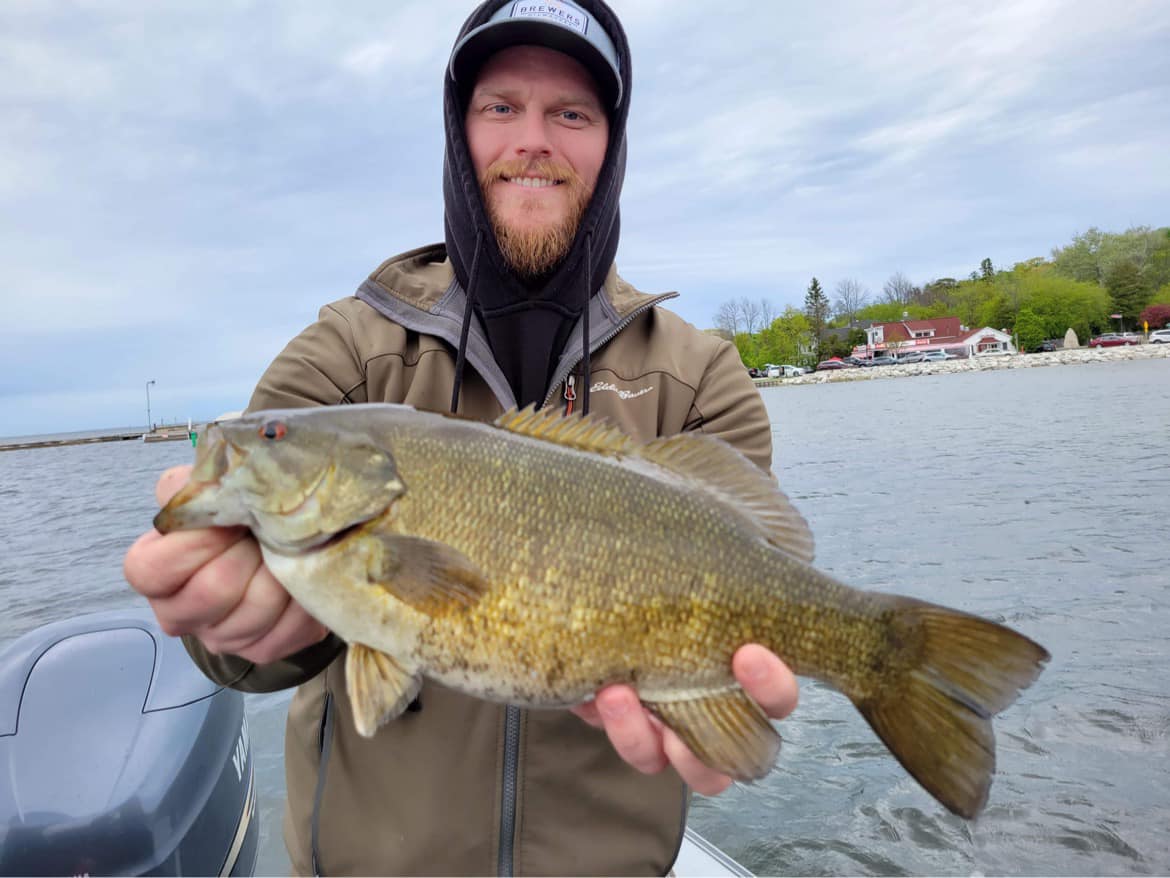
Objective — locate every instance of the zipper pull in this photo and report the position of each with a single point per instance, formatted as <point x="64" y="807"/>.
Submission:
<point x="570" y="394"/>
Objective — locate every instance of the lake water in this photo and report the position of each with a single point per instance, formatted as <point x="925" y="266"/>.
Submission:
<point x="1036" y="497"/>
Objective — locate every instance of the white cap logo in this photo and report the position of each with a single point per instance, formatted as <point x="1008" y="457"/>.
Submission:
<point x="558" y="13"/>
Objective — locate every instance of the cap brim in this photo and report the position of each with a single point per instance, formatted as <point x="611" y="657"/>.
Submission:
<point x="483" y="42"/>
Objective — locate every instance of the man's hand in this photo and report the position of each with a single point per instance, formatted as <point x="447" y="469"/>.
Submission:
<point x="213" y="583"/>
<point x="642" y="740"/>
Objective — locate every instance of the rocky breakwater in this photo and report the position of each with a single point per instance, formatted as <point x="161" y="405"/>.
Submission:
<point x="1073" y="357"/>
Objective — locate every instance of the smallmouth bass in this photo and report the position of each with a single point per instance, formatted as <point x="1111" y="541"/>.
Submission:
<point x="537" y="559"/>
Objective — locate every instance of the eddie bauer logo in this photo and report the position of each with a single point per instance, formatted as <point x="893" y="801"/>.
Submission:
<point x="554" y="12"/>
<point x="622" y="394"/>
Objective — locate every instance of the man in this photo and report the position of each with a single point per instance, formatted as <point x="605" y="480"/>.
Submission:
<point x="521" y="305"/>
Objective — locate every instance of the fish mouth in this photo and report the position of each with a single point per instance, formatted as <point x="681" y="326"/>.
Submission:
<point x="170" y="517"/>
<point x="222" y="457"/>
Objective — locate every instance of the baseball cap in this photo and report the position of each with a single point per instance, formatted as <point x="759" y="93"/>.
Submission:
<point x="554" y="24"/>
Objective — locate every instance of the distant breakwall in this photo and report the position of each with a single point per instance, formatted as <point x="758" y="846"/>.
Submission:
<point x="1074" y="357"/>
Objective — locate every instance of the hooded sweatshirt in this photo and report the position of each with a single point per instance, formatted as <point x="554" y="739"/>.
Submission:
<point x="465" y="786"/>
<point x="527" y="326"/>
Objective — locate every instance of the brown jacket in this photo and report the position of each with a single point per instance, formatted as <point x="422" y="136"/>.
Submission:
<point x="463" y="786"/>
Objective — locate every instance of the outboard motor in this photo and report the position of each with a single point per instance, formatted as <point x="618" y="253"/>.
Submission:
<point x="119" y="757"/>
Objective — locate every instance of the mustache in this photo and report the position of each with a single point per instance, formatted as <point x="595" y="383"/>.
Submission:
<point x="547" y="168"/>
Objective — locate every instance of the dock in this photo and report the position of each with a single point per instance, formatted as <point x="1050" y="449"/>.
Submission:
<point x="176" y="433"/>
<point x="169" y="434"/>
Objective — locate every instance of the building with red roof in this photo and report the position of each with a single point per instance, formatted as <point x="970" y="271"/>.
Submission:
<point x="937" y="334"/>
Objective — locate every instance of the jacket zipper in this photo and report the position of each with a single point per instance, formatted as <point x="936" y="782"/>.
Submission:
<point x="512" y="715"/>
<point x="505" y="866"/>
<point x="570" y="393"/>
<point x="325" y="742"/>
<point x="555" y="385"/>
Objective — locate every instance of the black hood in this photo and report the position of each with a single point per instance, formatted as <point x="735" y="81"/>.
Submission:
<point x="527" y="326"/>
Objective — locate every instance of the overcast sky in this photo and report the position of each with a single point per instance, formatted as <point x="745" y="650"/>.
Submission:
<point x="183" y="185"/>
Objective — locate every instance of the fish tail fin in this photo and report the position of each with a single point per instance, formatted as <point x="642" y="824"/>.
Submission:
<point x="950" y="674"/>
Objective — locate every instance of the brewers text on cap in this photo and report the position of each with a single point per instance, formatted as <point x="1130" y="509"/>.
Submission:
<point x="555" y="24"/>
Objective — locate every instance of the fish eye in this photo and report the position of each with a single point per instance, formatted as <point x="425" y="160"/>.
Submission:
<point x="274" y="430"/>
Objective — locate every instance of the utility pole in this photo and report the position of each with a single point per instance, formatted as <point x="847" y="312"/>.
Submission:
<point x="149" y="426"/>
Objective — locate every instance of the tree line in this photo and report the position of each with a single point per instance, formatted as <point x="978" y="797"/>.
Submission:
<point x="1080" y="286"/>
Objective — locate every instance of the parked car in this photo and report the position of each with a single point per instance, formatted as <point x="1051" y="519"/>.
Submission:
<point x="787" y="371"/>
<point x="937" y="357"/>
<point x="1045" y="347"/>
<point x="1160" y="336"/>
<point x="912" y="357"/>
<point x="831" y="363"/>
<point x="1111" y="340"/>
<point x="883" y="360"/>
<point x="753" y="372"/>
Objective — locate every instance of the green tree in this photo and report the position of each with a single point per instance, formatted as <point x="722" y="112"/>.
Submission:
<point x="1157" y="269"/>
<point x="1093" y="256"/>
<point x="786" y="339"/>
<point x="995" y="310"/>
<point x="1126" y="290"/>
<point x="837" y="346"/>
<point x="1029" y="330"/>
<point x="749" y="349"/>
<point x="986" y="270"/>
<point x="816" y="308"/>
<point x="1079" y="260"/>
<point x="1062" y="303"/>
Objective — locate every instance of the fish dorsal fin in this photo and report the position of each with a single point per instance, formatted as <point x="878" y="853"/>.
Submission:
<point x="583" y="432"/>
<point x="723" y="471"/>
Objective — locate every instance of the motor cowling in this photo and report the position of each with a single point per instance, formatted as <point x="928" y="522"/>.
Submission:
<point x="119" y="756"/>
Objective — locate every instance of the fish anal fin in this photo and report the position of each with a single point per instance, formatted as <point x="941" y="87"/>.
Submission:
<point x="585" y="433"/>
<point x="428" y="576"/>
<point x="379" y="688"/>
<point x="722" y="470"/>
<point x="726" y="731"/>
<point x="935" y="713"/>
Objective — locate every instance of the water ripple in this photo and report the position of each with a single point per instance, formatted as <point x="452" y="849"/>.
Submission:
<point x="1025" y="500"/>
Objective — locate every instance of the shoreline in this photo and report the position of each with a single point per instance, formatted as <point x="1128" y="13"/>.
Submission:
<point x="1074" y="357"/>
<point x="158" y="434"/>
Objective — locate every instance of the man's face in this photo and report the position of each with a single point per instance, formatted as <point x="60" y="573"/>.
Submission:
<point x="537" y="132"/>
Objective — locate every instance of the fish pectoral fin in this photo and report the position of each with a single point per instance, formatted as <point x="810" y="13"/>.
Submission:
<point x="727" y="731"/>
<point x="378" y="687"/>
<point x="425" y="575"/>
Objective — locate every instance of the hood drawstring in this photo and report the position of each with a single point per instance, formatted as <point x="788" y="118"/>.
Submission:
<point x="468" y="312"/>
<point x="585" y="323"/>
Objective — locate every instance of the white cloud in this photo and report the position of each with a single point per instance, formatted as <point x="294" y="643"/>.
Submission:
<point x="203" y="177"/>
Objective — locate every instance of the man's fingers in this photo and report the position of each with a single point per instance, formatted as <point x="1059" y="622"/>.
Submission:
<point x="294" y="630"/>
<point x="261" y="606"/>
<point x="766" y="679"/>
<point x="630" y="730"/>
<point x="157" y="566"/>
<point x="210" y="592"/>
<point x="703" y="780"/>
<point x="170" y="481"/>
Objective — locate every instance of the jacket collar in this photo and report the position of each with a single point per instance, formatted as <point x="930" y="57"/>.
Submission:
<point x="419" y="291"/>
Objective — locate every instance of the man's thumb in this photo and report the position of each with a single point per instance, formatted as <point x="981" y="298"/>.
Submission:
<point x="170" y="481"/>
